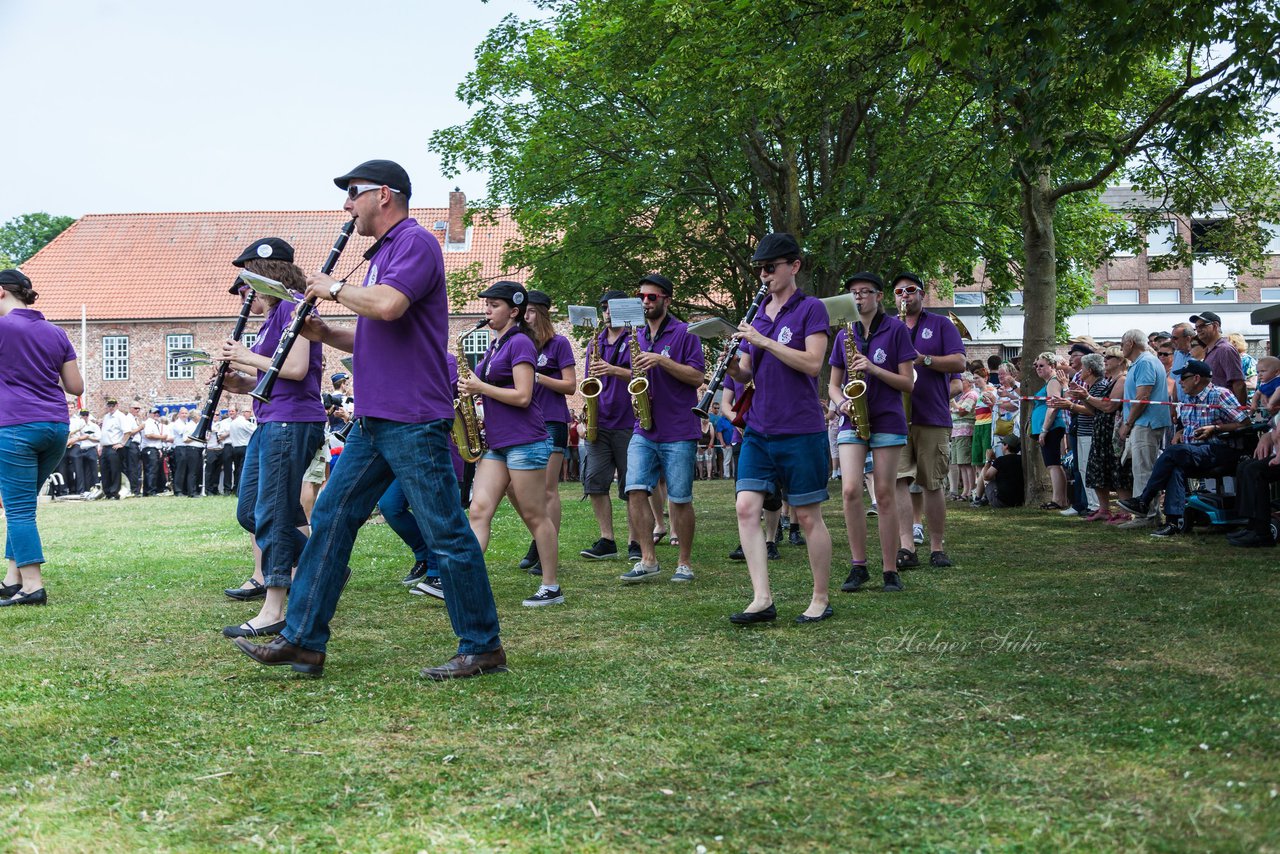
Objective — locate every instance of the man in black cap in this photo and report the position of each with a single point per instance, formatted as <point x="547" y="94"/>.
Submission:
<point x="1219" y="354"/>
<point x="403" y="422"/>
<point x="1209" y="415"/>
<point x="609" y="361"/>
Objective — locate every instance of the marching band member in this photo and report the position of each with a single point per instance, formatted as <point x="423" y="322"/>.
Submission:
<point x="786" y="436"/>
<point x="614" y="425"/>
<point x="515" y="433"/>
<point x="671" y="358"/>
<point x="939" y="352"/>
<point x="554" y="377"/>
<point x="290" y="430"/>
<point x="883" y="356"/>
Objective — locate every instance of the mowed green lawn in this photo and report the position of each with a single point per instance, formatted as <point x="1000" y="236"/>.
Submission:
<point x="1067" y="685"/>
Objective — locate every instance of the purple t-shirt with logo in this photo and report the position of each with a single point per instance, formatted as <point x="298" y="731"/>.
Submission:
<point x="402" y="374"/>
<point x="552" y="360"/>
<point x="506" y="426"/>
<point x="890" y="346"/>
<point x="671" y="402"/>
<point x="32" y="353"/>
<point x="934" y="335"/>
<point x="786" y="402"/>
<point x="615" y="403"/>
<point x="291" y="400"/>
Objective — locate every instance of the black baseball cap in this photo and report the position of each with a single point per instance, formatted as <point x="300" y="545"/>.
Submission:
<point x="865" y="276"/>
<point x="1077" y="347"/>
<point x="661" y="281"/>
<point x="910" y="277"/>
<point x="378" y="172"/>
<point x="1207" y="317"/>
<point x="1194" y="368"/>
<point x="14" y="277"/>
<point x="512" y="292"/>
<point x="613" y="294"/>
<point x="777" y="245"/>
<point x="236" y="286"/>
<point x="1160" y="336"/>
<point x="537" y="297"/>
<point x="84" y="412"/>
<point x="266" y="249"/>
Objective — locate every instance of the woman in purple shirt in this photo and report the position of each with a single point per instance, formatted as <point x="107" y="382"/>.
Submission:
<point x="37" y="370"/>
<point x="290" y="430"/>
<point x="516" y="443"/>
<point x="555" y="376"/>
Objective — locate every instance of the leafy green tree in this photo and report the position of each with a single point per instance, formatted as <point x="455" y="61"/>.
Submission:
<point x="25" y="235"/>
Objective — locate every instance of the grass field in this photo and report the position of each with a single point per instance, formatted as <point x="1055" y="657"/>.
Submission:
<point x="1065" y="686"/>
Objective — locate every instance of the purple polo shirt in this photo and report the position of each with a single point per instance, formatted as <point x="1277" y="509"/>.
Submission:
<point x="671" y="402"/>
<point x="291" y="400"/>
<point x="786" y="401"/>
<point x="615" y="403"/>
<point x="933" y="335"/>
<point x="890" y="346"/>
<point x="402" y="374"/>
<point x="552" y="360"/>
<point x="32" y="353"/>
<point x="1224" y="360"/>
<point x="504" y="425"/>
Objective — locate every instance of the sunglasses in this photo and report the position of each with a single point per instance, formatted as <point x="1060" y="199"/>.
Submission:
<point x="1165" y="353"/>
<point x="354" y="190"/>
<point x="650" y="297"/>
<point x="771" y="267"/>
<point x="906" y="291"/>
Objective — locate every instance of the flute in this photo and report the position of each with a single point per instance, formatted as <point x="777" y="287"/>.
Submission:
<point x="201" y="433"/>
<point x="717" y="378"/>
<point x="263" y="390"/>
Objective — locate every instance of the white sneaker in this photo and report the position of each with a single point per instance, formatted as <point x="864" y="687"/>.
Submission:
<point x="682" y="573"/>
<point x="1070" y="511"/>
<point x="917" y="534"/>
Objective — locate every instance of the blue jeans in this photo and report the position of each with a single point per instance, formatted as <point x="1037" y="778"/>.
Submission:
<point x="395" y="509"/>
<point x="799" y="464"/>
<point x="1172" y="467"/>
<point x="29" y="453"/>
<point x="270" y="506"/>
<point x="649" y="461"/>
<point x="378" y="451"/>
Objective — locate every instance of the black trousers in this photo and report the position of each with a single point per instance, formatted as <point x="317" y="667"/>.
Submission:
<point x="232" y="465"/>
<point x="1253" y="492"/>
<point x="67" y="469"/>
<point x="85" y="461"/>
<point x="112" y="467"/>
<point x="186" y="471"/>
<point x="213" y="469"/>
<point x="133" y="466"/>
<point x="152" y="471"/>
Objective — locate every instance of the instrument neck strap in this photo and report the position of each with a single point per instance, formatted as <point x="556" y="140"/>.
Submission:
<point x="655" y="338"/>
<point x="492" y="353"/>
<point x="864" y="338"/>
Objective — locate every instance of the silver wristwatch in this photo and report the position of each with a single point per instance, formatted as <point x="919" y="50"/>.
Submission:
<point x="335" y="288"/>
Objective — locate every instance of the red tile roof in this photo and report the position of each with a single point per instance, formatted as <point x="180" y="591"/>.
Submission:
<point x="153" y="266"/>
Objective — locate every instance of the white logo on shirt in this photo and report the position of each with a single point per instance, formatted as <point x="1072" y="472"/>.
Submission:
<point x="373" y="274"/>
<point x="784" y="337"/>
<point x="666" y="351"/>
<point x="880" y="356"/>
<point x="926" y="333"/>
<point x="542" y="360"/>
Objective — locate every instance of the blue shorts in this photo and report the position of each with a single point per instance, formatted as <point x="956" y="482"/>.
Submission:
<point x="878" y="440"/>
<point x="530" y="457"/>
<point x="558" y="433"/>
<point x="799" y="465"/>
<point x="648" y="461"/>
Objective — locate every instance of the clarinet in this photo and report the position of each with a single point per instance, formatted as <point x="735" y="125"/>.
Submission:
<point x="717" y="378"/>
<point x="263" y="390"/>
<point x="201" y="433"/>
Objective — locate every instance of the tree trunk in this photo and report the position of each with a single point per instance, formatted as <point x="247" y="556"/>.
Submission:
<point x="1039" y="299"/>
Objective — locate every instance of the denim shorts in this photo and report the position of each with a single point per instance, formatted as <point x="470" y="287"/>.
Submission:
<point x="878" y="440"/>
<point x="649" y="461"/>
<point x="558" y="433"/>
<point x="529" y="457"/>
<point x="799" y="465"/>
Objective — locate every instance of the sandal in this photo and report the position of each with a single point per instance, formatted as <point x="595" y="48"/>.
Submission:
<point x="658" y="536"/>
<point x="1119" y="518"/>
<point x="1052" y="505"/>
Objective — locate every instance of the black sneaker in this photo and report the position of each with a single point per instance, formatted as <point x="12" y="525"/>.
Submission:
<point x="602" y="550"/>
<point x="1169" y="529"/>
<point x="772" y="550"/>
<point x="783" y="524"/>
<point x="633" y="551"/>
<point x="907" y="559"/>
<point x="428" y="587"/>
<point x="858" y="576"/>
<point x="530" y="557"/>
<point x="416" y="574"/>
<point x="737" y="554"/>
<point x="1134" y="505"/>
<point x="545" y="596"/>
<point x="892" y="583"/>
<point x="939" y="559"/>
<point x="1251" y="539"/>
<point x="796" y="538"/>
<point x="535" y="568"/>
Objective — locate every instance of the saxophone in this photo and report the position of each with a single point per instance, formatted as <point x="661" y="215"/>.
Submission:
<point x="638" y="388"/>
<point x="591" y="387"/>
<point x="906" y="396"/>
<point x="855" y="387"/>
<point x="466" y="422"/>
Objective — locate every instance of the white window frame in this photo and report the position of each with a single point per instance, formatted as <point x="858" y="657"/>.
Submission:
<point x="474" y="345"/>
<point x="1208" y="295"/>
<point x="178" y="341"/>
<point x="1269" y="294"/>
<point x="969" y="298"/>
<point x="248" y="339"/>
<point x="1122" y="296"/>
<point x="115" y="357"/>
<point x="1161" y="296"/>
<point x="1167" y="234"/>
<point x="1273" y="245"/>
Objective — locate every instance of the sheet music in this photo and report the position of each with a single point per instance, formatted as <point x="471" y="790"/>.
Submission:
<point x="628" y="311"/>
<point x="584" y="315"/>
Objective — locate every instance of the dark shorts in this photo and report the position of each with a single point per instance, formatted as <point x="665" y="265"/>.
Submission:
<point x="1051" y="450"/>
<point x="605" y="456"/>
<point x="799" y="465"/>
<point x="558" y="433"/>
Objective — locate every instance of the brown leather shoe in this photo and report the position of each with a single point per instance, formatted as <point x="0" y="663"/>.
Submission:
<point x="466" y="666"/>
<point x="280" y="651"/>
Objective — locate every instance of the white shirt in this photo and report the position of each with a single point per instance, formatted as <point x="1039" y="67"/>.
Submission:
<point x="181" y="430"/>
<point x="90" y="431"/>
<point x="114" y="426"/>
<point x="240" y="430"/>
<point x="155" y="428"/>
<point x="212" y="440"/>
